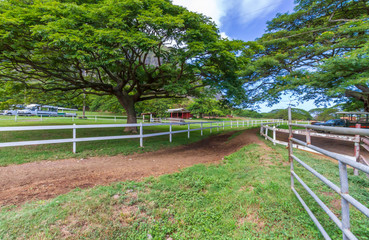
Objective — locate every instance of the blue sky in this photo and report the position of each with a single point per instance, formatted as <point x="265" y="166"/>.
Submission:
<point x="245" y="20"/>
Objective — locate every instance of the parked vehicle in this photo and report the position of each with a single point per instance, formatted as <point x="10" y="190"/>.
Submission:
<point x="39" y="110"/>
<point x="10" y="112"/>
<point x="353" y="118"/>
<point x="332" y="123"/>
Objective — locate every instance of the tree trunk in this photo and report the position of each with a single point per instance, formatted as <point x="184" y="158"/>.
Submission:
<point x="128" y="105"/>
<point x="366" y="105"/>
<point x="361" y="96"/>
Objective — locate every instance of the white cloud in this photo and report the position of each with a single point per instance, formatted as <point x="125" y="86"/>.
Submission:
<point x="215" y="9"/>
<point x="244" y="10"/>
<point x="251" y="9"/>
<point x="210" y="8"/>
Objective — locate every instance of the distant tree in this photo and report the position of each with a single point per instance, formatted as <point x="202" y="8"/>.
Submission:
<point x="297" y="114"/>
<point x="319" y="51"/>
<point x="134" y="50"/>
<point x="105" y="104"/>
<point x="206" y="106"/>
<point x="159" y="107"/>
<point x="327" y="114"/>
<point x="247" y="113"/>
<point x="13" y="93"/>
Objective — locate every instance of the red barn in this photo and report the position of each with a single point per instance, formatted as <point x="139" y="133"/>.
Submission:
<point x="180" y="113"/>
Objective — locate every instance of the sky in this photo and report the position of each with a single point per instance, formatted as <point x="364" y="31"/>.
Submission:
<point x="245" y="20"/>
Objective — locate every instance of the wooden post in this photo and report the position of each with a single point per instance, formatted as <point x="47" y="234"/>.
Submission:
<point x="357" y="149"/>
<point x="170" y="132"/>
<point x="201" y="129"/>
<point x="211" y="127"/>
<point x="141" y="135"/>
<point x="74" y="137"/>
<point x="266" y="132"/>
<point x="308" y="137"/>
<point x="274" y="135"/>
<point x="188" y="131"/>
<point x="290" y="147"/>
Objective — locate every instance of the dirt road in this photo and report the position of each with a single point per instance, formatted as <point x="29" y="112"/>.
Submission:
<point x="47" y="179"/>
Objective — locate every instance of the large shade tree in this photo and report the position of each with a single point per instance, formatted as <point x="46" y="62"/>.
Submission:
<point x="319" y="51"/>
<point x="135" y="50"/>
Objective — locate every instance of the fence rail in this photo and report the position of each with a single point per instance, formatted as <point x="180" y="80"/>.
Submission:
<point x="273" y="127"/>
<point x="343" y="190"/>
<point x="203" y="126"/>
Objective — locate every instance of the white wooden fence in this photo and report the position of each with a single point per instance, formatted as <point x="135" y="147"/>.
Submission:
<point x="203" y="126"/>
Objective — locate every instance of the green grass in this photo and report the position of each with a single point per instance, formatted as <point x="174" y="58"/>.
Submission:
<point x="247" y="196"/>
<point x="26" y="154"/>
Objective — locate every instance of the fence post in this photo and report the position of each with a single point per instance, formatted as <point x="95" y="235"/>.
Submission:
<point x="223" y="125"/>
<point x="141" y="135"/>
<point x="290" y="146"/>
<point x="170" y="132"/>
<point x="243" y="123"/>
<point x="274" y="135"/>
<point x="201" y="129"/>
<point x="261" y="130"/>
<point x="115" y="118"/>
<point x="266" y="132"/>
<point x="74" y="137"/>
<point x="308" y="137"/>
<point x="95" y="118"/>
<point x="188" y="130"/>
<point x="237" y="123"/>
<point x="357" y="149"/>
<point x="231" y="124"/>
<point x="211" y="127"/>
<point x="15" y="117"/>
<point x="345" y="210"/>
<point x="41" y="117"/>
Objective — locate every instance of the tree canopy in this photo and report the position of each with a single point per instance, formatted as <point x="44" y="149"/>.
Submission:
<point x="319" y="51"/>
<point x="135" y="50"/>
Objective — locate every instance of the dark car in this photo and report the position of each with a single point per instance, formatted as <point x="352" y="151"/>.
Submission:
<point x="332" y="123"/>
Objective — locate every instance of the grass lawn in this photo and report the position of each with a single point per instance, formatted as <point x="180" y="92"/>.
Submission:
<point x="247" y="196"/>
<point x="25" y="154"/>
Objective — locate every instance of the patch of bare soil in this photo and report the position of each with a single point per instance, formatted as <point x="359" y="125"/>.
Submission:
<point x="47" y="179"/>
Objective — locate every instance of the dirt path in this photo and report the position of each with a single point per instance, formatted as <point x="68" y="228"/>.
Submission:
<point x="47" y="179"/>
